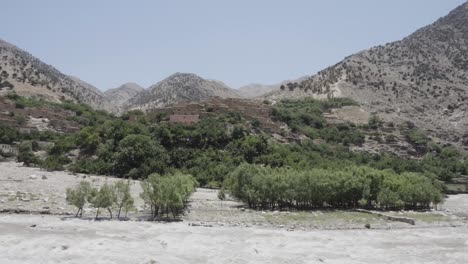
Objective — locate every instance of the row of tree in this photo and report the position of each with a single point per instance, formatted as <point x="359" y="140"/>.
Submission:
<point x="164" y="194"/>
<point x="353" y="187"/>
<point x="109" y="196"/>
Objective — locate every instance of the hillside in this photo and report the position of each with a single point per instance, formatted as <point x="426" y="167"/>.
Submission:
<point x="177" y="88"/>
<point x="422" y="79"/>
<point x="120" y="95"/>
<point x="256" y="89"/>
<point x="26" y="75"/>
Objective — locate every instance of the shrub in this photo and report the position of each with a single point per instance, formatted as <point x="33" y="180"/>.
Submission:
<point x="375" y="122"/>
<point x="167" y="193"/>
<point x="25" y="154"/>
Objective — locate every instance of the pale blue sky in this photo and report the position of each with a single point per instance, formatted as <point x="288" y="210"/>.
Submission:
<point x="107" y="43"/>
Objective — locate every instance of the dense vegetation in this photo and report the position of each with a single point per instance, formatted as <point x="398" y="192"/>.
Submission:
<point x="351" y="187"/>
<point x="218" y="145"/>
<point x="167" y="193"/>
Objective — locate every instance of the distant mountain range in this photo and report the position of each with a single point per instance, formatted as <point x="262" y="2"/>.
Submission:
<point x="120" y="95"/>
<point x="422" y="79"/>
<point x="180" y="87"/>
<point x="26" y="75"/>
<point x="257" y="90"/>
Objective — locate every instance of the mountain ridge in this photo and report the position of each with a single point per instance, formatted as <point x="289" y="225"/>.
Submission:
<point x="180" y="87"/>
<point x="120" y="95"/>
<point x="28" y="76"/>
<point x="421" y="79"/>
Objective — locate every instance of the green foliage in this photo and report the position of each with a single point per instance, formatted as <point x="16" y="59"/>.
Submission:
<point x="107" y="196"/>
<point x="80" y="195"/>
<point x="104" y="198"/>
<point x="351" y="187"/>
<point x="54" y="163"/>
<point x="122" y="196"/>
<point x="20" y="119"/>
<point x="141" y="153"/>
<point x="306" y="116"/>
<point x="22" y="102"/>
<point x="211" y="149"/>
<point x="222" y="194"/>
<point x="167" y="193"/>
<point x="8" y="135"/>
<point x="375" y="121"/>
<point x="25" y="154"/>
<point x="417" y="137"/>
<point x="250" y="147"/>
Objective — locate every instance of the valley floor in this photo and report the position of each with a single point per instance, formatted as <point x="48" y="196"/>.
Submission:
<point x="50" y="239"/>
<point x="214" y="231"/>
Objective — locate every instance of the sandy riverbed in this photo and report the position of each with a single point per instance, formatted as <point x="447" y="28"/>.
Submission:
<point x="229" y="233"/>
<point x="53" y="240"/>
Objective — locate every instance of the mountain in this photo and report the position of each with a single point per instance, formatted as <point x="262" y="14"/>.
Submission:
<point x="422" y="79"/>
<point x="256" y="90"/>
<point x="28" y="76"/>
<point x="120" y="95"/>
<point x="180" y="87"/>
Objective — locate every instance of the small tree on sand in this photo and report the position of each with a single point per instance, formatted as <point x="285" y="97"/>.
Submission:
<point x="80" y="195"/>
<point x="104" y="198"/>
<point x="122" y="196"/>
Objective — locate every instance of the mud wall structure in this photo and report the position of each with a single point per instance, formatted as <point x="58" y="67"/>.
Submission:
<point x="52" y="118"/>
<point x="247" y="108"/>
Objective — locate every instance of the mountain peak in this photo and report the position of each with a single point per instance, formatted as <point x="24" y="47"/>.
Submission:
<point x="28" y="76"/>
<point x="180" y="87"/>
<point x="422" y="79"/>
<point x="120" y="95"/>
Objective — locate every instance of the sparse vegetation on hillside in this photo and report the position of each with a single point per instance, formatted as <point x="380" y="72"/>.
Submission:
<point x="306" y="116"/>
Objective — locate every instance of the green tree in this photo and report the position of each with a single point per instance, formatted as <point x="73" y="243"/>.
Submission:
<point x="104" y="198"/>
<point x="80" y="195"/>
<point x="141" y="153"/>
<point x="123" y="197"/>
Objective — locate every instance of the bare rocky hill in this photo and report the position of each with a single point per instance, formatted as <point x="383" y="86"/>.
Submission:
<point x="256" y="89"/>
<point x="28" y="76"/>
<point x="177" y="88"/>
<point x="422" y="79"/>
<point x="120" y="95"/>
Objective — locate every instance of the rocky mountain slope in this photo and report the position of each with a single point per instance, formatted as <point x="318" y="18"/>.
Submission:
<point x="28" y="76"/>
<point x="180" y="87"/>
<point x="422" y="79"/>
<point x="256" y="89"/>
<point x="120" y="95"/>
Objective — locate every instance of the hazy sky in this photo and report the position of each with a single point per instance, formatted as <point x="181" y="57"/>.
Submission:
<point x="107" y="43"/>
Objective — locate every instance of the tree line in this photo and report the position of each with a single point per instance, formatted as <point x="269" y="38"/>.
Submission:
<point x="263" y="187"/>
<point x="163" y="194"/>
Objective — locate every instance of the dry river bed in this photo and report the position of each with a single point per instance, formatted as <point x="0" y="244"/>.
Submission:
<point x="214" y="231"/>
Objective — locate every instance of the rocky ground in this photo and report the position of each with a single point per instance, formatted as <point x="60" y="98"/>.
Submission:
<point x="26" y="189"/>
<point x="213" y="231"/>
